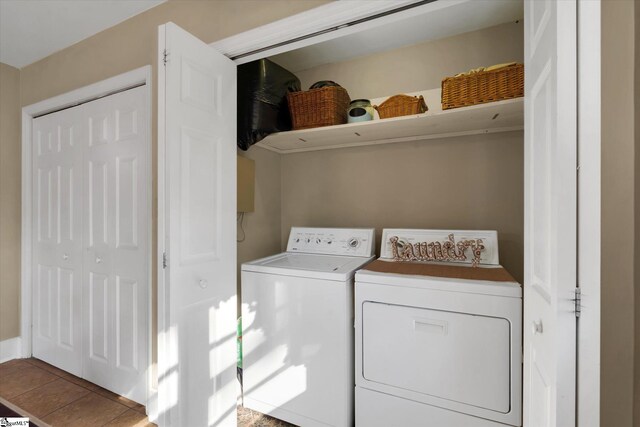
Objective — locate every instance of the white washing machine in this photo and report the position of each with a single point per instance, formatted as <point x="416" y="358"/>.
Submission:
<point x="438" y="344"/>
<point x="297" y="319"/>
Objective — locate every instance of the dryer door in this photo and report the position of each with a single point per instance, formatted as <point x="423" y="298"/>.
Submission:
<point x="453" y="356"/>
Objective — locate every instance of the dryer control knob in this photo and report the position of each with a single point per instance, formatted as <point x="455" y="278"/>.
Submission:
<point x="353" y="242"/>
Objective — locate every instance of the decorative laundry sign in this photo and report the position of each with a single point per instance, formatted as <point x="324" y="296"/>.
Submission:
<point x="467" y="247"/>
<point x="448" y="250"/>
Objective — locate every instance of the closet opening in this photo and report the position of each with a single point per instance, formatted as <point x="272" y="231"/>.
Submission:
<point x="444" y="168"/>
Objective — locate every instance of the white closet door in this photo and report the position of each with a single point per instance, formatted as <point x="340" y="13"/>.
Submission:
<point x="550" y="213"/>
<point x="197" y="194"/>
<point x="116" y="215"/>
<point x="57" y="239"/>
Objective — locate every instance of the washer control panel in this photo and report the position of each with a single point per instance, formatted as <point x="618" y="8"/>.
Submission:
<point x="332" y="241"/>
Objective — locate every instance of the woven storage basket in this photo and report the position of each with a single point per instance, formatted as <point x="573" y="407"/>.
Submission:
<point x="401" y="105"/>
<point x="484" y="86"/>
<point x="325" y="106"/>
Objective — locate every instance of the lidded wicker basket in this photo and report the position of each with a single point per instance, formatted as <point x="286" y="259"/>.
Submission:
<point x="325" y="106"/>
<point x="401" y="105"/>
<point x="483" y="86"/>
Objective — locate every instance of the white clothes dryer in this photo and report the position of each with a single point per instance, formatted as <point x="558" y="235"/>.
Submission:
<point x="438" y="344"/>
<point x="297" y="318"/>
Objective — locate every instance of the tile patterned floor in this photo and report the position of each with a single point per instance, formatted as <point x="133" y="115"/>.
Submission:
<point x="61" y="399"/>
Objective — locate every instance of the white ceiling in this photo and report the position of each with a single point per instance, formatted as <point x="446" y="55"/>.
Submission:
<point x="33" y="29"/>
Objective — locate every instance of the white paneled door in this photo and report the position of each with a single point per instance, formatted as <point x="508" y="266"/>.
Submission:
<point x="116" y="243"/>
<point x="197" y="198"/>
<point x="57" y="239"/>
<point x="91" y="240"/>
<point x="550" y="213"/>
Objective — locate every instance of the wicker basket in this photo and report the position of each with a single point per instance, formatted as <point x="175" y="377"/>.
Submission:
<point x="325" y="106"/>
<point x="484" y="86"/>
<point x="401" y="105"/>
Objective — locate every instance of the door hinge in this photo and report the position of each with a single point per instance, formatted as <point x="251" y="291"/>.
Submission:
<point x="577" y="302"/>
<point x="164" y="260"/>
<point x="165" y="57"/>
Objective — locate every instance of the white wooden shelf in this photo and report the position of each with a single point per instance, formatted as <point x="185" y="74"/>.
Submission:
<point x="501" y="116"/>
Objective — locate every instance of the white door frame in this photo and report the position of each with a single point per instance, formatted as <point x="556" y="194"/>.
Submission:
<point x="271" y="39"/>
<point x="97" y="90"/>
<point x="589" y="205"/>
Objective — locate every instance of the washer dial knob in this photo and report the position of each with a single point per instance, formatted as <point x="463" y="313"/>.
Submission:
<point x="353" y="242"/>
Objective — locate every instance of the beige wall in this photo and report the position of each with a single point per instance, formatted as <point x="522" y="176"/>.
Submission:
<point x="9" y="202"/>
<point x="636" y="394"/>
<point x="262" y="227"/>
<point x="617" y="275"/>
<point x="473" y="182"/>
<point x="421" y="66"/>
<point x="133" y="43"/>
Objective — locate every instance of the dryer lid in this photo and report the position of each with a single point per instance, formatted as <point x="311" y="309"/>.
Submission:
<point x="414" y="275"/>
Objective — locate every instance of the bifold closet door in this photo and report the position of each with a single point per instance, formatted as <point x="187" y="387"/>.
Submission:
<point x="116" y="244"/>
<point x="91" y="241"/>
<point x="57" y="238"/>
<point x="550" y="216"/>
<point x="197" y="383"/>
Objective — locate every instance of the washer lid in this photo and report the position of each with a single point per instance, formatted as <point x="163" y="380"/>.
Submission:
<point x="328" y="267"/>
